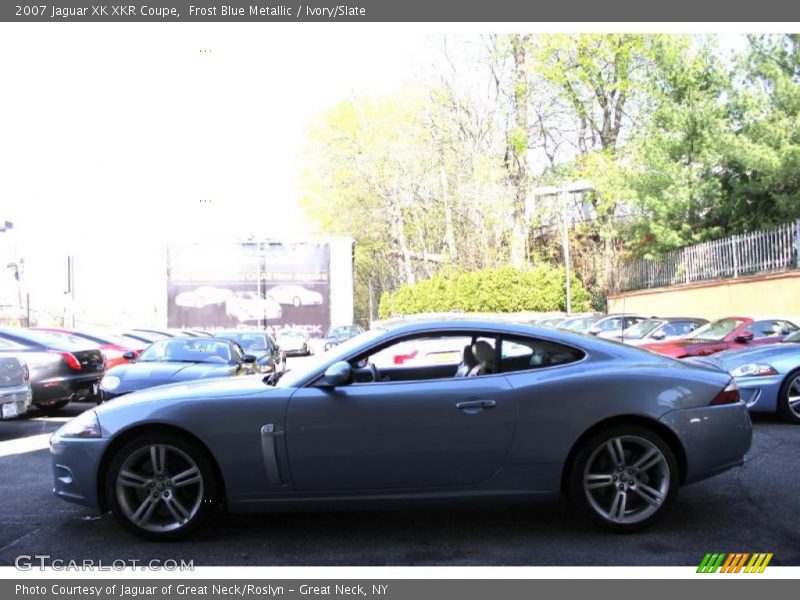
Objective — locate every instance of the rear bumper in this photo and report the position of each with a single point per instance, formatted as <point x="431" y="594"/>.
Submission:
<point x="57" y="389"/>
<point x="14" y="401"/>
<point x="715" y="438"/>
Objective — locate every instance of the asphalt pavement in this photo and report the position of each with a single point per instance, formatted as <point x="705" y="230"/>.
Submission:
<point x="754" y="508"/>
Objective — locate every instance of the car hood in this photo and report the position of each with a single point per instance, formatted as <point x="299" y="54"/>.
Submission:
<point x="228" y="387"/>
<point x="732" y="359"/>
<point x="147" y="374"/>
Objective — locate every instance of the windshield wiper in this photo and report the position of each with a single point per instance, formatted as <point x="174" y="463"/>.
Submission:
<point x="273" y="378"/>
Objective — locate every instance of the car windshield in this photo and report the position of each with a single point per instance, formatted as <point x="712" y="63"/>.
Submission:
<point x="291" y="333"/>
<point x="341" y="331"/>
<point x="641" y="329"/>
<point x="715" y="331"/>
<point x="250" y="341"/>
<point x="194" y="350"/>
<point x="792" y="338"/>
<point x="337" y="353"/>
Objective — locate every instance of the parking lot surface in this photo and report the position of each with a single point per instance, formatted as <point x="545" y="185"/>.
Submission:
<point x="750" y="509"/>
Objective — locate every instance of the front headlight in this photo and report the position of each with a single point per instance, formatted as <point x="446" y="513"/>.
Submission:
<point x="109" y="382"/>
<point x="84" y="425"/>
<point x="753" y="370"/>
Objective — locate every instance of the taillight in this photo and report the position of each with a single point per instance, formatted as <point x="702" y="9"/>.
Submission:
<point x="73" y="362"/>
<point x="730" y="395"/>
<point x="399" y="359"/>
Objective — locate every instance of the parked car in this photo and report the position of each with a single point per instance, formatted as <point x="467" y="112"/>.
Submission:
<point x="177" y="360"/>
<point x="203" y="296"/>
<point x="15" y="387"/>
<point x="579" y="323"/>
<point x="337" y="335"/>
<point x="612" y="326"/>
<point x="725" y="334"/>
<point x="658" y="330"/>
<point x="113" y="347"/>
<point x="768" y="376"/>
<point x="569" y="415"/>
<point x="269" y="354"/>
<point x="249" y="306"/>
<point x="294" y="295"/>
<point x="62" y="368"/>
<point x="143" y="338"/>
<point x="294" y="342"/>
<point x="550" y="321"/>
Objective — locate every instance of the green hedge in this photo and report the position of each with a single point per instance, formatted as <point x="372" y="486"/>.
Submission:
<point x="508" y="289"/>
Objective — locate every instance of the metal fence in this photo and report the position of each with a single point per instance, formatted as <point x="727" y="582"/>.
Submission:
<point x="765" y="251"/>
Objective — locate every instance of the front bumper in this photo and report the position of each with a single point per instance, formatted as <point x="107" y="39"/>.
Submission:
<point x="714" y="438"/>
<point x="760" y="394"/>
<point x="75" y="464"/>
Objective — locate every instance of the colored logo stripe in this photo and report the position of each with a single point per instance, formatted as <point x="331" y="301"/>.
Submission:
<point x="734" y="562"/>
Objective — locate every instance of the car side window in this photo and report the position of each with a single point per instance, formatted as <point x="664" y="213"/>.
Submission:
<point x="764" y="329"/>
<point x="523" y="354"/>
<point x="678" y="328"/>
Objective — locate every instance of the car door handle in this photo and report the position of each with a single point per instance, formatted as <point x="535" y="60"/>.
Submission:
<point x="476" y="404"/>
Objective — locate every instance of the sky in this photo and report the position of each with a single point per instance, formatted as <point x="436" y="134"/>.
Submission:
<point x="118" y="138"/>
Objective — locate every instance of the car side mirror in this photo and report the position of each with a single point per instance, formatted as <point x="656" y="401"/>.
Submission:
<point x="249" y="358"/>
<point x="337" y="374"/>
<point x="745" y="337"/>
<point x="595" y="330"/>
<point x="659" y="335"/>
<point x="130" y="355"/>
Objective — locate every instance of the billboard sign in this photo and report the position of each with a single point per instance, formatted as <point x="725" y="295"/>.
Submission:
<point x="271" y="283"/>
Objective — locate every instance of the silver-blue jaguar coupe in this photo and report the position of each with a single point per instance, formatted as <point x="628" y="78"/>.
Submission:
<point x="484" y="411"/>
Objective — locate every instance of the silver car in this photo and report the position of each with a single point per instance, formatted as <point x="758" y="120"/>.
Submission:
<point x="528" y="413"/>
<point x="15" y="387"/>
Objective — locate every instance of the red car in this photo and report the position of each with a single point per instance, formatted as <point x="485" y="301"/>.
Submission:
<point x="112" y="347"/>
<point x="725" y="334"/>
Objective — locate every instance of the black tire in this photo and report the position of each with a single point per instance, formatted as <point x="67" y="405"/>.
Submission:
<point x="784" y="410"/>
<point x="665" y="476"/>
<point x="208" y="492"/>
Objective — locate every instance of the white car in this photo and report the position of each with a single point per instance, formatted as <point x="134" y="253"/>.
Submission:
<point x="294" y="342"/>
<point x="203" y="296"/>
<point x="248" y="306"/>
<point x="294" y="295"/>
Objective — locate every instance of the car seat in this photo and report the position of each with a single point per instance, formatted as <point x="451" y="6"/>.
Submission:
<point x="468" y="362"/>
<point x="484" y="354"/>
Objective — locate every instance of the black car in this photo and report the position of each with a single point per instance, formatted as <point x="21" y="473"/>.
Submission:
<point x="176" y="360"/>
<point x="259" y="343"/>
<point x="337" y="335"/>
<point x="62" y="367"/>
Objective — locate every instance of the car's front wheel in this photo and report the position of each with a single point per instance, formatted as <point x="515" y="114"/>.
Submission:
<point x="161" y="486"/>
<point x="624" y="478"/>
<point x="789" y="398"/>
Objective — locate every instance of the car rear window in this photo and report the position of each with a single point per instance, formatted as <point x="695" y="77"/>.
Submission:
<point x="523" y="354"/>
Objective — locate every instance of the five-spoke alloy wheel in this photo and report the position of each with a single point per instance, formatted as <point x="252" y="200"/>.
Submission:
<point x="624" y="477"/>
<point x="160" y="486"/>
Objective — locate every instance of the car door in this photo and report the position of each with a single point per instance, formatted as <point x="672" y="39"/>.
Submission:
<point x="399" y="435"/>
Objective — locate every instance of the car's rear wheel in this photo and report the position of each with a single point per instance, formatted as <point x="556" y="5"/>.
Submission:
<point x="624" y="478"/>
<point x="161" y="486"/>
<point x="789" y="398"/>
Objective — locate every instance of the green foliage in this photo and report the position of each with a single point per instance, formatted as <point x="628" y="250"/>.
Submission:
<point x="506" y="289"/>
